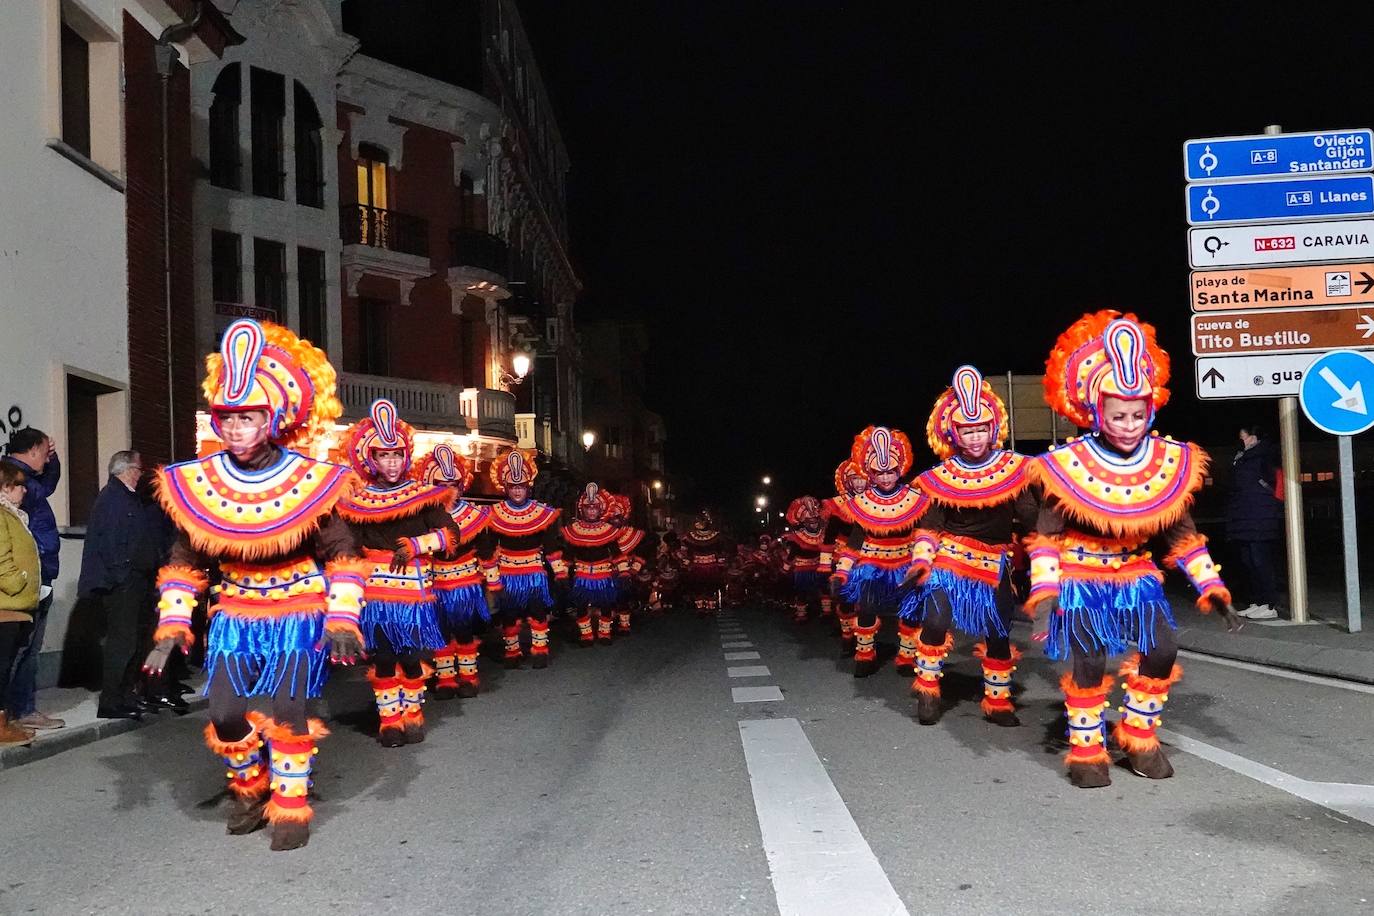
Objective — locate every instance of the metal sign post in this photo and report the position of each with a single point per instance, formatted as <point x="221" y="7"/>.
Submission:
<point x="1345" y="453"/>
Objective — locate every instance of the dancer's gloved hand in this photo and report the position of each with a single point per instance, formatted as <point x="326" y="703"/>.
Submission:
<point x="400" y="557"/>
<point x="1040" y="618"/>
<point x="1225" y="613"/>
<point x="344" y="647"/>
<point x="162" y="652"/>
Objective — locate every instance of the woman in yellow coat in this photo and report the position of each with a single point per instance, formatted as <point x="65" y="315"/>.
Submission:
<point x="19" y="584"/>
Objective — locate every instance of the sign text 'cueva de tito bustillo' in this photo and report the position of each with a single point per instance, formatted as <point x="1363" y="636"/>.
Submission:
<point x="1283" y="330"/>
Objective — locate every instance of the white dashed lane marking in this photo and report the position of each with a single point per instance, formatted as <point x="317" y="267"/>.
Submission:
<point x="740" y="656"/>
<point x="747" y="671"/>
<point x="769" y="694"/>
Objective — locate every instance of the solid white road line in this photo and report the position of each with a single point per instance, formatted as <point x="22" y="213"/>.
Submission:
<point x="1352" y="800"/>
<point x="747" y="671"/>
<point x="1278" y="672"/>
<point x="740" y="656"/>
<point x="819" y="861"/>
<point x="768" y="694"/>
<point x="741" y="644"/>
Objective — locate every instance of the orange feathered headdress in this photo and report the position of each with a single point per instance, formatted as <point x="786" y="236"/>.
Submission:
<point x="382" y="430"/>
<point x="846" y="468"/>
<point x="1100" y="355"/>
<point x="263" y="366"/>
<point x="618" y="506"/>
<point x="878" y="448"/>
<point x="968" y="401"/>
<point x="445" y="467"/>
<point x="518" y="466"/>
<point x="801" y="508"/>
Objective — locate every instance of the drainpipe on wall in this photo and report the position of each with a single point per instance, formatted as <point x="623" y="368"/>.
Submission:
<point x="166" y="55"/>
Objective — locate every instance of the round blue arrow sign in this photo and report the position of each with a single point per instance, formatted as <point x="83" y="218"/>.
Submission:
<point x="1337" y="392"/>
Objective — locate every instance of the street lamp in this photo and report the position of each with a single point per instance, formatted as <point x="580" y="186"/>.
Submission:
<point x="658" y="485"/>
<point x="588" y="440"/>
<point x="520" y="362"/>
<point x="767" y="480"/>
<point x="760" y="502"/>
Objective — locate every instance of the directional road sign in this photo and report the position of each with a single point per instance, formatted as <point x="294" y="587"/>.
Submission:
<point x="1276" y="375"/>
<point x="1278" y="154"/>
<point x="1279" y="287"/>
<point x="1333" y="392"/>
<point x="1281" y="243"/>
<point x="1283" y="330"/>
<point x="1315" y="197"/>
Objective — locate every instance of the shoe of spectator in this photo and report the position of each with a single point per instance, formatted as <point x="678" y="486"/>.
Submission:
<point x="13" y="734"/>
<point x="36" y="720"/>
<point x="1259" y="612"/>
<point x="119" y="712"/>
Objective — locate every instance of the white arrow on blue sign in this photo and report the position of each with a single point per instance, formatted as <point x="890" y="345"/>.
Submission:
<point x="1331" y="196"/>
<point x="1337" y="392"/>
<point x="1273" y="155"/>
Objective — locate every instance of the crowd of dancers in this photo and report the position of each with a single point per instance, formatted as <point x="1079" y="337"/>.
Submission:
<point x="378" y="554"/>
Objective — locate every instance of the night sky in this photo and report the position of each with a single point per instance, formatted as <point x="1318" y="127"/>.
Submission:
<point x="820" y="210"/>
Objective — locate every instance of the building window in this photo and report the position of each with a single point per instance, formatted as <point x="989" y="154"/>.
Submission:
<point x="226" y="162"/>
<point x="374" y="351"/>
<point x="226" y="267"/>
<point x="269" y="276"/>
<point x="76" y="90"/>
<point x="309" y="151"/>
<point x="268" y="103"/>
<point x="87" y="407"/>
<point x="310" y="289"/>
<point x="613" y="442"/>
<point x="372" y="162"/>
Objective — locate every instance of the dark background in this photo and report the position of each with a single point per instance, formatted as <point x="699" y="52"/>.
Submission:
<point x="821" y="209"/>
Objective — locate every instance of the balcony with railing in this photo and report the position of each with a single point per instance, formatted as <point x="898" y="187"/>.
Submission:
<point x="490" y="413"/>
<point x="384" y="243"/>
<point x="478" y="263"/>
<point x="426" y="405"/>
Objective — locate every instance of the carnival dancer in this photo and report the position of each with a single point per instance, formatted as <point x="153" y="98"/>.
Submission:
<point x="523" y="535"/>
<point x="879" y="547"/>
<point x="459" y="585"/>
<point x="1106" y="495"/>
<point x="637" y="550"/>
<point x="979" y="494"/>
<point x="807" y="558"/>
<point x="706" y="560"/>
<point x="399" y="523"/>
<point x="592" y="549"/>
<point x="290" y="582"/>
<point x="850" y="481"/>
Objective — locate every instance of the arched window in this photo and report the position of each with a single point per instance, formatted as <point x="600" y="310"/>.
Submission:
<point x="309" y="151"/>
<point x="226" y="165"/>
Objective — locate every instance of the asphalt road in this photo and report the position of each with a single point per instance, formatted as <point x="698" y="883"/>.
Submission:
<point x="628" y="780"/>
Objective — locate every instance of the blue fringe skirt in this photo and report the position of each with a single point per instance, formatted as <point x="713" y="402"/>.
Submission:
<point x="1108" y="616"/>
<point x="520" y="590"/>
<point x="410" y="626"/>
<point x="258" y="654"/>
<point x="807" y="583"/>
<point x="973" y="602"/>
<point x="873" y="588"/>
<point x="463" y="608"/>
<point x="598" y="593"/>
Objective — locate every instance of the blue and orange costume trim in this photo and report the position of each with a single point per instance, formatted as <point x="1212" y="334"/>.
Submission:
<point x="1090" y="559"/>
<point x="287" y="567"/>
<point x="521" y="537"/>
<point x="964" y="552"/>
<point x="593" y="546"/>
<point x="879" y="549"/>
<point x="808" y="561"/>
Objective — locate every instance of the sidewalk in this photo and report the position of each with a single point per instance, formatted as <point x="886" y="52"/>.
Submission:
<point x="77" y="706"/>
<point x="1321" y="647"/>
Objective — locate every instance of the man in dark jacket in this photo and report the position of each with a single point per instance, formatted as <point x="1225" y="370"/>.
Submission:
<point x="35" y="454"/>
<point x="126" y="541"/>
<point x="1254" y="519"/>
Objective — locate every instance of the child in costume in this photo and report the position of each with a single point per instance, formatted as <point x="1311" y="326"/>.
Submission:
<point x="522" y="535"/>
<point x="399" y="523"/>
<point x="978" y="494"/>
<point x="1093" y="578"/>
<point x="592" y="546"/>
<point x="879" y="547"/>
<point x="807" y="559"/>
<point x="459" y="586"/>
<point x="290" y="582"/>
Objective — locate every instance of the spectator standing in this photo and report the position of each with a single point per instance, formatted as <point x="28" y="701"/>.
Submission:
<point x="34" y="453"/>
<point x="20" y="583"/>
<point x="1254" y="519"/>
<point x="126" y="542"/>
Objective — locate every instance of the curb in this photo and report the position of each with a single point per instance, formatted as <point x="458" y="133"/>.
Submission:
<point x="1342" y="664"/>
<point x="75" y="736"/>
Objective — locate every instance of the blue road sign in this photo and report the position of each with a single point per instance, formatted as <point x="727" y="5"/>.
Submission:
<point x="1299" y="198"/>
<point x="1337" y="392"/>
<point x="1273" y="155"/>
